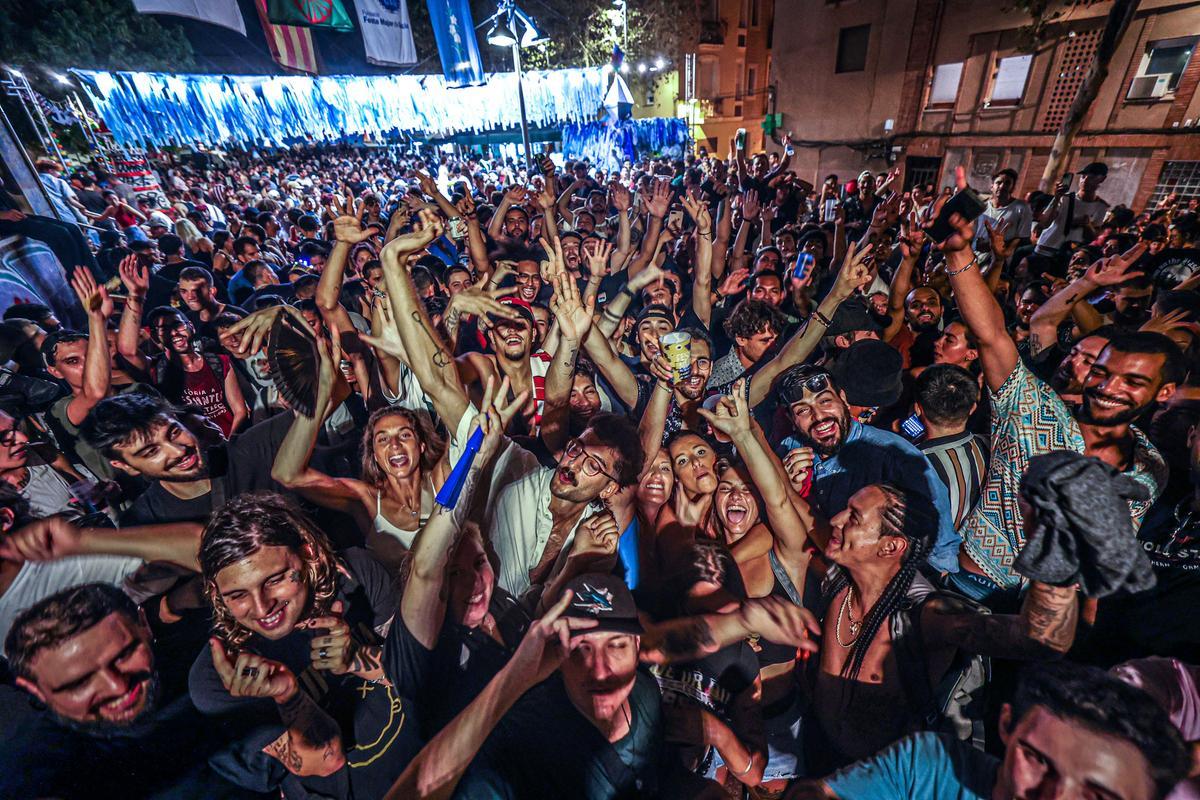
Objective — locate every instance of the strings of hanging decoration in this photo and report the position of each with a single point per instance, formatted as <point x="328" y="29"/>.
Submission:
<point x="608" y="144"/>
<point x="158" y="109"/>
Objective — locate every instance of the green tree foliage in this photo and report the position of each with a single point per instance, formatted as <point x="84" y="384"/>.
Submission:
<point x="91" y="34"/>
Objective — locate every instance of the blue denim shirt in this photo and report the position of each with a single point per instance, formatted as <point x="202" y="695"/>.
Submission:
<point x="870" y="456"/>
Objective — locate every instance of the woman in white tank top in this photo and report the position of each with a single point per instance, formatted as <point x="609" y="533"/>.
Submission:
<point x="403" y="463"/>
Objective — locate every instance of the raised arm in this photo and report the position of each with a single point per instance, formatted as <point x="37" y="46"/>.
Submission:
<point x="732" y="417"/>
<point x="476" y="246"/>
<point x="292" y="467"/>
<point x="749" y="212"/>
<point x="618" y="196"/>
<point x="423" y="604"/>
<point x="702" y="279"/>
<point x="853" y="275"/>
<point x="1043" y="326"/>
<point x="724" y="233"/>
<point x="978" y="306"/>
<point x="347" y="231"/>
<point x="97" y="366"/>
<point x="657" y="204"/>
<point x="515" y="195"/>
<point x="137" y="283"/>
<point x="431" y="190"/>
<point x="574" y="318"/>
<point x="441" y="764"/>
<point x="429" y="358"/>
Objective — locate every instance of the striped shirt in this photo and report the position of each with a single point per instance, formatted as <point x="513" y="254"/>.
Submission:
<point x="961" y="461"/>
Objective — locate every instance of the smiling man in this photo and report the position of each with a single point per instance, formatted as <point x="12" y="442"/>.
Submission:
<point x="297" y="654"/>
<point x="192" y="470"/>
<point x="843" y="455"/>
<point x="111" y="689"/>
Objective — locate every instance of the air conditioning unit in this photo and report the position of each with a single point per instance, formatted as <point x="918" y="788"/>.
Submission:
<point x="1147" y="87"/>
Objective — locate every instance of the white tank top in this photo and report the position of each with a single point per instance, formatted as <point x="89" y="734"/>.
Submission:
<point x="383" y="525"/>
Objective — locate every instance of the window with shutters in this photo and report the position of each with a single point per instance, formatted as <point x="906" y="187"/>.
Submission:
<point x="1008" y="80"/>
<point x="944" y="89"/>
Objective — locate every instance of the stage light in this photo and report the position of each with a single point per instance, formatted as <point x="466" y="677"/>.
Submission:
<point x="16" y="72"/>
<point x="641" y="68"/>
<point x="532" y="35"/>
<point x="659" y="63"/>
<point x="502" y="34"/>
<point x="624" y="67"/>
<point x="60" y="78"/>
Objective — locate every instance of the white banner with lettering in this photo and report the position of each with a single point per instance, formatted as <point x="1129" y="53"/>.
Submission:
<point x="387" y="34"/>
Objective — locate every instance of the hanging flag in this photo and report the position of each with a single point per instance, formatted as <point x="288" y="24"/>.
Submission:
<point x="219" y="12"/>
<point x="618" y="58"/>
<point x="454" y="29"/>
<point x="291" y="47"/>
<point x="329" y="14"/>
<point x="387" y="34"/>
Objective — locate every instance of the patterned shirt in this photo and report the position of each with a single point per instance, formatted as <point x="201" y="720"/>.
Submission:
<point x="961" y="461"/>
<point x="1029" y="419"/>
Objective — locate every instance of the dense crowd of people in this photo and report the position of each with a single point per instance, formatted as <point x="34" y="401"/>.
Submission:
<point x="373" y="476"/>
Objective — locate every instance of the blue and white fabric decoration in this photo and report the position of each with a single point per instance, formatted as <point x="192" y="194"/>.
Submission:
<point x="157" y="109"/>
<point x="607" y="145"/>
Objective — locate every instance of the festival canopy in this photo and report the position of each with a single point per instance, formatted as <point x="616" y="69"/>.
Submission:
<point x="149" y="109"/>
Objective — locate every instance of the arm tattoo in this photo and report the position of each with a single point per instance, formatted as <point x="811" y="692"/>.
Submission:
<point x="366" y="659"/>
<point x="1050" y="614"/>
<point x="440" y="360"/>
<point x="281" y="748"/>
<point x="304" y="717"/>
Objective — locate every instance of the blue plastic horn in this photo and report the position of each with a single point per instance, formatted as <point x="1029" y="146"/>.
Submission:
<point x="447" y="496"/>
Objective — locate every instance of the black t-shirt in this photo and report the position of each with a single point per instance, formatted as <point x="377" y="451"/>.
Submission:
<point x="242" y="465"/>
<point x="164" y="756"/>
<point x="447" y="678"/>
<point x="543" y="747"/>
<point x="379" y="729"/>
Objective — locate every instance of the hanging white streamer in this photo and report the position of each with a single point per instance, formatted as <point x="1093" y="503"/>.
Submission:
<point x="156" y="109"/>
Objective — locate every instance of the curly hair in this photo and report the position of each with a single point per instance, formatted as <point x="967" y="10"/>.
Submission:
<point x="750" y="317"/>
<point x="245" y="525"/>
<point x="435" y="445"/>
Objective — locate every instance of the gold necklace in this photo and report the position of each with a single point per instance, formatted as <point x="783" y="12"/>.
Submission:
<point x="855" y="627"/>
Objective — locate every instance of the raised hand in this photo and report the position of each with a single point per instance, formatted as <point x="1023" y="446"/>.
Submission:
<point x="1116" y="269"/>
<point x="546" y="644"/>
<point x="619" y="197"/>
<point x="912" y="236"/>
<point x="855" y="272"/>
<point x="750" y="206"/>
<point x="698" y="211"/>
<point x="251" y="331"/>
<point x="574" y="317"/>
<point x="516" y="195"/>
<point x="335" y="650"/>
<point x="779" y="620"/>
<point x="597" y="537"/>
<point x="135" y="276"/>
<point x="466" y="206"/>
<point x="1001" y="247"/>
<point x="798" y="464"/>
<point x="428" y="187"/>
<point x="651" y="274"/>
<point x="92" y="295"/>
<point x="1167" y="322"/>
<point x="596" y="254"/>
<point x="964" y="229"/>
<point x="247" y="674"/>
<point x="734" y="281"/>
<point x="429" y="226"/>
<point x="660" y="198"/>
<point x="731" y="415"/>
<point x="479" y="300"/>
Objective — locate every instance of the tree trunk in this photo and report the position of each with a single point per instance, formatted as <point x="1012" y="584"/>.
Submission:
<point x="1119" y="17"/>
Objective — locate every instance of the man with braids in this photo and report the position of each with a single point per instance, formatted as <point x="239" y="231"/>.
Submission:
<point x="874" y="597"/>
<point x="298" y="651"/>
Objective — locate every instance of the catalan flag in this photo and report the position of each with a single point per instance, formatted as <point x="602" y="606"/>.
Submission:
<point x="291" y="47"/>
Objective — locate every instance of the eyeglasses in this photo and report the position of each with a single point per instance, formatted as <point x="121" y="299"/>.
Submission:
<point x="702" y="363"/>
<point x="591" y="465"/>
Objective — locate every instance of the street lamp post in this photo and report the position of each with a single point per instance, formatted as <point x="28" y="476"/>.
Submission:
<point x="516" y="55"/>
<point x="503" y="33"/>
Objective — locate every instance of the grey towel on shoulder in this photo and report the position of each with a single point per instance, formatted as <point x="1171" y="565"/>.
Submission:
<point x="1080" y="530"/>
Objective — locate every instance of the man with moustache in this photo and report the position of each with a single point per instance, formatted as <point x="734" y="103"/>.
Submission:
<point x="830" y="457"/>
<point x="119" y="722"/>
<point x="192" y="470"/>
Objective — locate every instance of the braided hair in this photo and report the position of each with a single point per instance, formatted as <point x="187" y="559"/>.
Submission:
<point x="913" y="517"/>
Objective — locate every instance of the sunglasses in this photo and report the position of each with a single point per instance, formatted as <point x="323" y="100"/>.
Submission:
<point x="792" y="388"/>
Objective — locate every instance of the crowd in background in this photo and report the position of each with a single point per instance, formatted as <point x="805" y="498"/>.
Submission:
<point x="368" y="475"/>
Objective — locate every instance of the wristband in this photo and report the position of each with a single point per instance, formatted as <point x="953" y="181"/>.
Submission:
<point x="626" y="290"/>
<point x="821" y="318"/>
<point x="746" y="771"/>
<point x="974" y="260"/>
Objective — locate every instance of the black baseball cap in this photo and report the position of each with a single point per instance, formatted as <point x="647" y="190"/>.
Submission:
<point x="606" y="599"/>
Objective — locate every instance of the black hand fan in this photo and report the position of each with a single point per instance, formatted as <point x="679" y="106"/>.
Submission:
<point x="295" y="367"/>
